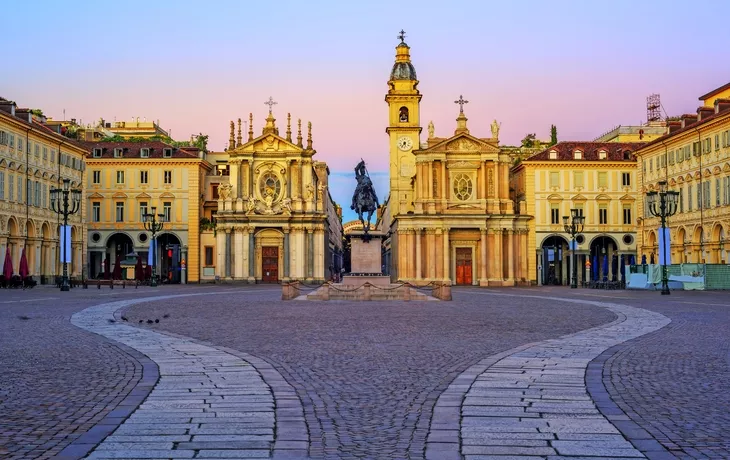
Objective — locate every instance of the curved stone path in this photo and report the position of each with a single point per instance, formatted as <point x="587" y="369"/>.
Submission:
<point x="208" y="402"/>
<point x="532" y="401"/>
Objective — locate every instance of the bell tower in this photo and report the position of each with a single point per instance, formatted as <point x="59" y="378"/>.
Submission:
<point x="404" y="128"/>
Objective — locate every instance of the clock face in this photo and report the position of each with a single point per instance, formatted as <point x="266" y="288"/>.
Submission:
<point x="405" y="143"/>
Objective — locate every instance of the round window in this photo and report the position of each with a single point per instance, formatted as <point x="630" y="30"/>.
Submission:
<point x="628" y="239"/>
<point x="95" y="237"/>
<point x="580" y="239"/>
<point x="142" y="237"/>
<point x="270" y="186"/>
<point x="462" y="187"/>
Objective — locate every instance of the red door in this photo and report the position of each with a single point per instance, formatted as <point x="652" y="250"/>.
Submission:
<point x="270" y="264"/>
<point x="463" y="266"/>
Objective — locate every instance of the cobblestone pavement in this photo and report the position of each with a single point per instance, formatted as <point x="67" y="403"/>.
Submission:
<point x="207" y="403"/>
<point x="533" y="401"/>
<point x="369" y="373"/>
<point x="674" y="383"/>
<point x="56" y="381"/>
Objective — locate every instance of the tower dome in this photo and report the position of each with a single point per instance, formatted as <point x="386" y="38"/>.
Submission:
<point x="403" y="68"/>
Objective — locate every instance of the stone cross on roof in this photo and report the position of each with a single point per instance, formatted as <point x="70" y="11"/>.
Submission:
<point x="461" y="103"/>
<point x="402" y="36"/>
<point x="270" y="103"/>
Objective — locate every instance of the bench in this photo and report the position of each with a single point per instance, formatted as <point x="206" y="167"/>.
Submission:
<point x="98" y="283"/>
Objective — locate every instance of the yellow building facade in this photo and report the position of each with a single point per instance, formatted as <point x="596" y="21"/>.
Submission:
<point x="694" y="159"/>
<point x="449" y="215"/>
<point x="598" y="179"/>
<point x="33" y="160"/>
<point x="274" y="217"/>
<point x="127" y="179"/>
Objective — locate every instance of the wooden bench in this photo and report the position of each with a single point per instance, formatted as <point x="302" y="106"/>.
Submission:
<point x="98" y="283"/>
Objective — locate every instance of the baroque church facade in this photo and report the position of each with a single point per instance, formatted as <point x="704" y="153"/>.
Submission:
<point x="275" y="218"/>
<point x="449" y="216"/>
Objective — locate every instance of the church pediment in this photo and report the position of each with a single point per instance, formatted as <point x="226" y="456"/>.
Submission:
<point x="462" y="143"/>
<point x="268" y="143"/>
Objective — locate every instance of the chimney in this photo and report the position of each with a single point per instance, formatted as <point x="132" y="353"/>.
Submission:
<point x="704" y="112"/>
<point x="722" y="105"/>
<point x="688" y="119"/>
<point x="674" y="125"/>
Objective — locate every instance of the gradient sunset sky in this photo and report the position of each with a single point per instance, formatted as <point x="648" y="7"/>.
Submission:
<point x="585" y="66"/>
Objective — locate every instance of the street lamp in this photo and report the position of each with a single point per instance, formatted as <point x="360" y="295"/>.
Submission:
<point x="665" y="206"/>
<point x="151" y="224"/>
<point x="574" y="227"/>
<point x="60" y="204"/>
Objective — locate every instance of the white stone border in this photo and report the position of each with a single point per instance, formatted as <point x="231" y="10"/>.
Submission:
<point x="207" y="402"/>
<point x="532" y="400"/>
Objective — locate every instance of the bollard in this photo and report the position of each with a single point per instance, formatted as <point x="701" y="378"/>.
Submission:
<point x="98" y="285"/>
<point x="366" y="291"/>
<point x="407" y="294"/>
<point x="325" y="291"/>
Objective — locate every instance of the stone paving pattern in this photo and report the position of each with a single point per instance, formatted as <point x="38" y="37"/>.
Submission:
<point x="56" y="381"/>
<point x="674" y="384"/>
<point x="369" y="373"/>
<point x="534" y="401"/>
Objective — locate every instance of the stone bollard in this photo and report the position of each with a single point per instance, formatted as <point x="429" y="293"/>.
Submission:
<point x="366" y="291"/>
<point x="444" y="291"/>
<point x="287" y="291"/>
<point x="407" y="293"/>
<point x="325" y="291"/>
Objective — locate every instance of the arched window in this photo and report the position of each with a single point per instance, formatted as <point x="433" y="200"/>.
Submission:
<point x="403" y="115"/>
<point x="627" y="155"/>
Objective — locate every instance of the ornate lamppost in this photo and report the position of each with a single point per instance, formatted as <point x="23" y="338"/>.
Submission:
<point x="151" y="224"/>
<point x="663" y="204"/>
<point x="574" y="228"/>
<point x="62" y="205"/>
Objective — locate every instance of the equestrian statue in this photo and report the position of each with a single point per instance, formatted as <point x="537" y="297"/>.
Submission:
<point x="364" y="199"/>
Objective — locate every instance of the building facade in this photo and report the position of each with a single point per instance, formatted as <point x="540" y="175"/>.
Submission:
<point x="33" y="160"/>
<point x="636" y="133"/>
<point x="274" y="219"/>
<point x="450" y="216"/>
<point x="126" y="180"/>
<point x="598" y="179"/>
<point x="694" y="159"/>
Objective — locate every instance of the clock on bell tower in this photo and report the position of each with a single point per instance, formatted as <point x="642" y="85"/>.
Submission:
<point x="404" y="128"/>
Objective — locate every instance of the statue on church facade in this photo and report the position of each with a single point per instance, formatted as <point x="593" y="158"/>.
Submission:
<point x="364" y="200"/>
<point x="495" y="129"/>
<point x="431" y="130"/>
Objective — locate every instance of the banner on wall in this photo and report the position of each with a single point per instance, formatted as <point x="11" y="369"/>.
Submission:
<point x="664" y="237"/>
<point x="151" y="253"/>
<point x="65" y="246"/>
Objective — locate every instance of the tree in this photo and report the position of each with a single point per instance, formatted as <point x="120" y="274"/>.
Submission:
<point x="553" y="135"/>
<point x="529" y="140"/>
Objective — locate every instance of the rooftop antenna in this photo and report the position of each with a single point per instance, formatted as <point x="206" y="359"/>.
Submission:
<point x="653" y="108"/>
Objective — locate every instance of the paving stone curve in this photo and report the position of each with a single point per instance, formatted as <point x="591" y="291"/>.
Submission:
<point x="208" y="401"/>
<point x="532" y="401"/>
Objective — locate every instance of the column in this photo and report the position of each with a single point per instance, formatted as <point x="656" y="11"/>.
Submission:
<point x="38" y="259"/>
<point x="510" y="257"/>
<point x="498" y="254"/>
<point x="240" y="255"/>
<point x="310" y="253"/>
<point x="430" y="180"/>
<point x="286" y="253"/>
<point x="228" y="253"/>
<point x="250" y="178"/>
<point x="480" y="182"/>
<point x="251" y="254"/>
<point x="483" y="258"/>
<point x="236" y="179"/>
<point x="444" y="180"/>
<point x="525" y="256"/>
<point x="431" y="246"/>
<point x="447" y="267"/>
<point x="242" y="185"/>
<point x="419" y="269"/>
<point x="220" y="253"/>
<point x="244" y="179"/>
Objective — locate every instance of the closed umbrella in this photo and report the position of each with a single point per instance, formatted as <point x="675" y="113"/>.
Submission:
<point x="652" y="258"/>
<point x="623" y="265"/>
<point x="594" y="267"/>
<point x="107" y="273"/>
<point x="8" y="265"/>
<point x="138" y="270"/>
<point x="643" y="259"/>
<point x="23" y="269"/>
<point x="632" y="260"/>
<point x="605" y="267"/>
<point x="117" y="275"/>
<point x="614" y="267"/>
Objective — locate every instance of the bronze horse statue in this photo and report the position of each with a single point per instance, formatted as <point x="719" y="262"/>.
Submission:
<point x="364" y="200"/>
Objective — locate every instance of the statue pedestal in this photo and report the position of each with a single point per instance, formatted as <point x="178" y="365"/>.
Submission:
<point x="366" y="253"/>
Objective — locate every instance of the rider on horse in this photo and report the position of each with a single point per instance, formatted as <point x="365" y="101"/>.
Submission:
<point x="364" y="199"/>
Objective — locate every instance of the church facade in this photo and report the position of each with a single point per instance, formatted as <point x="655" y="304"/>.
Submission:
<point x="275" y="218"/>
<point x="449" y="216"/>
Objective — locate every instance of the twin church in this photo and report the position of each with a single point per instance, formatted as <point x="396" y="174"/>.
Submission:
<point x="448" y="216"/>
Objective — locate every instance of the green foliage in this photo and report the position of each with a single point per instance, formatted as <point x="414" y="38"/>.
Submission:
<point x="206" y="224"/>
<point x="553" y="135"/>
<point x="529" y="140"/>
<point x="37" y="112"/>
